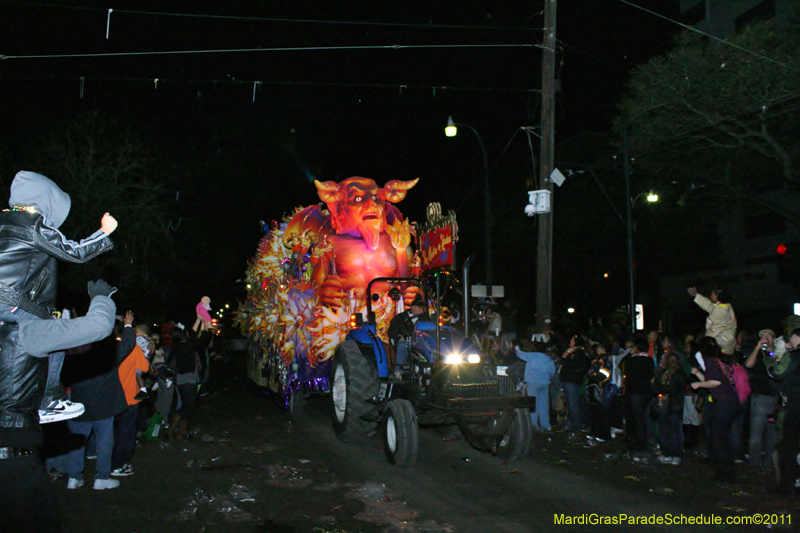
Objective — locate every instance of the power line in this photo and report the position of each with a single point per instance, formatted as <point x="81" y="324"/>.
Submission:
<point x="591" y="56"/>
<point x="156" y="81"/>
<point x="277" y="49"/>
<point x="279" y="19"/>
<point x="723" y="41"/>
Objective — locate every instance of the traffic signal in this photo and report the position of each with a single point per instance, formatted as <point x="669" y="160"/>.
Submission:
<point x="782" y="249"/>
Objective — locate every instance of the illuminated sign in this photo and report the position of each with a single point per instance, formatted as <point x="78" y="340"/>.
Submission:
<point x="437" y="239"/>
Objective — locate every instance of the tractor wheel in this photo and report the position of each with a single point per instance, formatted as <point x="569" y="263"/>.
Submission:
<point x="518" y="439"/>
<point x="400" y="433"/>
<point x="355" y="381"/>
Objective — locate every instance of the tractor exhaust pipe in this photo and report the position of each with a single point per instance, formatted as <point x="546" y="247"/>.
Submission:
<point x="465" y="293"/>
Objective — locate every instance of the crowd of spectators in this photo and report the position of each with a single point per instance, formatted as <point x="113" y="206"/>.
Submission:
<point x="136" y="386"/>
<point x="720" y="392"/>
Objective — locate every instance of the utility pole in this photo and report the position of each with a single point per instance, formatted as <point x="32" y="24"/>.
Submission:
<point x="544" y="253"/>
<point x="626" y="171"/>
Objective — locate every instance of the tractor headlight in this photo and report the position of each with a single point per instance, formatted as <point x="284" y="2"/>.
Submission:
<point x="457" y="358"/>
<point x="452" y="359"/>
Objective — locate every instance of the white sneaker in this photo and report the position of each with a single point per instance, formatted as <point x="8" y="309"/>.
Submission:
<point x="103" y="484"/>
<point x="59" y="410"/>
<point x="124" y="470"/>
<point x="664" y="460"/>
<point x="676" y="461"/>
<point x="74" y="483"/>
<point x="154" y="386"/>
<point x="169" y="382"/>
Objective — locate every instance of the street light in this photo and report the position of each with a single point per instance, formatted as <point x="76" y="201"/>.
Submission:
<point x="651" y="198"/>
<point x="451" y="130"/>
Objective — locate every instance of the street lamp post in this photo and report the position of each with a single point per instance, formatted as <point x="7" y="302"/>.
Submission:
<point x="451" y="130"/>
<point x="630" y="225"/>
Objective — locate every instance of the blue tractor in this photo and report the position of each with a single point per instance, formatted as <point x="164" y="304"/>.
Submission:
<point x="446" y="381"/>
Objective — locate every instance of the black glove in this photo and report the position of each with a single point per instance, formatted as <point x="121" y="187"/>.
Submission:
<point x="100" y="288"/>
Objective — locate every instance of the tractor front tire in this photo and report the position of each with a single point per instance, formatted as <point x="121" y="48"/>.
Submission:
<point x="355" y="381"/>
<point x="401" y="433"/>
<point x="516" y="443"/>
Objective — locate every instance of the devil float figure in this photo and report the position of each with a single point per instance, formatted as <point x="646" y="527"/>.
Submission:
<point x="310" y="275"/>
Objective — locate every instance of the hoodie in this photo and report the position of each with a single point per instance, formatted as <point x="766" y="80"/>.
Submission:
<point x="539" y="367"/>
<point x="31" y="244"/>
<point x="30" y="189"/>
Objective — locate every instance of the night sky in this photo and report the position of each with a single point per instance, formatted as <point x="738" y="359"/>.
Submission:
<point x="248" y="152"/>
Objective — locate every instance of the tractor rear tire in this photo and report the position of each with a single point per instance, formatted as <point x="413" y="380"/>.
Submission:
<point x="401" y="433"/>
<point x="518" y="439"/>
<point x="355" y="381"/>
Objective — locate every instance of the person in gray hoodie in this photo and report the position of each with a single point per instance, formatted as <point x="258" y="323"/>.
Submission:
<point x="27" y="499"/>
<point x="30" y="247"/>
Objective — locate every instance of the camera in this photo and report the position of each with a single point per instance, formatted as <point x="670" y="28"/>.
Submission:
<point x="530" y="210"/>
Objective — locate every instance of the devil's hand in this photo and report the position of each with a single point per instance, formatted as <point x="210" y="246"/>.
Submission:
<point x="399" y="234"/>
<point x="331" y="291"/>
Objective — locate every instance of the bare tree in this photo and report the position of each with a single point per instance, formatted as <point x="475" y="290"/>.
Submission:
<point x="107" y="167"/>
<point x="722" y="118"/>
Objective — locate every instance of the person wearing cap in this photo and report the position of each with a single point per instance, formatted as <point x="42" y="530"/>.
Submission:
<point x="763" y="401"/>
<point x="401" y="328"/>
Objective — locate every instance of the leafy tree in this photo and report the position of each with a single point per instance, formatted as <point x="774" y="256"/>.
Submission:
<point x="722" y="118"/>
<point x="108" y="168"/>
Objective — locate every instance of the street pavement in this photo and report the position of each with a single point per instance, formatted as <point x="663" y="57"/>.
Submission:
<point x="251" y="467"/>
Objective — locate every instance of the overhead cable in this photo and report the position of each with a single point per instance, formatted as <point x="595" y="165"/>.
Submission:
<point x="277" y="49"/>
<point x="706" y="34"/>
<point x="284" y="20"/>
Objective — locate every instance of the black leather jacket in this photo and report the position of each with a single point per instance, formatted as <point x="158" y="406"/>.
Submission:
<point x="30" y="249"/>
<point x="23" y="373"/>
<point x="23" y="381"/>
<point x="402" y="325"/>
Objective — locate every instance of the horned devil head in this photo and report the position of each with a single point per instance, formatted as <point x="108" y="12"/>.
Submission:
<point x="358" y="206"/>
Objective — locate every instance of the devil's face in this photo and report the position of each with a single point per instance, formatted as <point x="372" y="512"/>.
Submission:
<point x="358" y="206"/>
<point x="362" y="212"/>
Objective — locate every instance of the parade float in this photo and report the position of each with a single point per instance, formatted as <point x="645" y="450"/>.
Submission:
<point x="322" y="290"/>
<point x="309" y="276"/>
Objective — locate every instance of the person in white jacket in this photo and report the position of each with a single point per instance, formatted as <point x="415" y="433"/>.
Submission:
<point x="721" y="321"/>
<point x="539" y="370"/>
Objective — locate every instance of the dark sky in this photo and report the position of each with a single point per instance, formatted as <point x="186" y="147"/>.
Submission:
<point x="325" y="114"/>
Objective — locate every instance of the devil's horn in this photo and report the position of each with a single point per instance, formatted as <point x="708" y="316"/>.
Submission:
<point x="328" y="191"/>
<point x="395" y="190"/>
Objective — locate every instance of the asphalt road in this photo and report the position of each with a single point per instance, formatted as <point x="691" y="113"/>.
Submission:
<point x="254" y="468"/>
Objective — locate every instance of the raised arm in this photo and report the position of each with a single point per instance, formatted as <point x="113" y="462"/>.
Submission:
<point x="127" y="338"/>
<point x="704" y="303"/>
<point x="40" y="337"/>
<point x="49" y="240"/>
